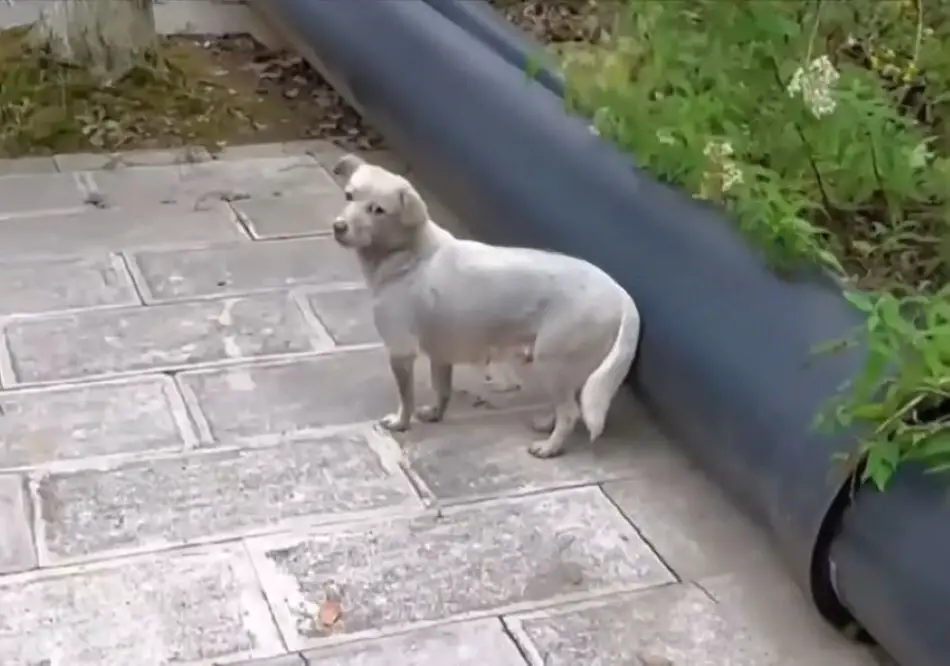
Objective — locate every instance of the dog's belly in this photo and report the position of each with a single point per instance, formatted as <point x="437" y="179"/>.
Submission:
<point x="474" y="345"/>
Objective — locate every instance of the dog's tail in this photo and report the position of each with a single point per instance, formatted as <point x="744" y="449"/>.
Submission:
<point x="599" y="389"/>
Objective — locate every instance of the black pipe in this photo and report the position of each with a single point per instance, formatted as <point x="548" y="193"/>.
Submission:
<point x="727" y="355"/>
<point x="479" y="19"/>
<point x="889" y="565"/>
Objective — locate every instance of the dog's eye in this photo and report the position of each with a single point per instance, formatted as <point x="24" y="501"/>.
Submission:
<point x="376" y="209"/>
<point x="348" y="195"/>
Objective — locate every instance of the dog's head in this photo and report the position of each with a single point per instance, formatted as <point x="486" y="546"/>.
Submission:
<point x="383" y="211"/>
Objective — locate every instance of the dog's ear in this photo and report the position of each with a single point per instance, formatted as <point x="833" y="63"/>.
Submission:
<point x="346" y="166"/>
<point x="415" y="213"/>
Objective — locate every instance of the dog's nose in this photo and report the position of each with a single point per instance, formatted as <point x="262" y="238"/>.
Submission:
<point x="339" y="227"/>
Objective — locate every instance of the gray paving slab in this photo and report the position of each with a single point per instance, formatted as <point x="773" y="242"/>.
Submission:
<point x="164" y="502"/>
<point x="100" y="343"/>
<point x="205" y="184"/>
<point x="306" y="214"/>
<point x="195" y="608"/>
<point x="24" y="166"/>
<point x="285" y="399"/>
<point x="475" y="643"/>
<point x="94" y="231"/>
<point x="132" y="158"/>
<point x="347" y="315"/>
<point x="29" y="287"/>
<point x="242" y="268"/>
<point x="144" y="414"/>
<point x="465" y="562"/>
<point x="285" y="660"/>
<point x="235" y="408"/>
<point x="690" y="522"/>
<point x="35" y="194"/>
<point x="487" y="456"/>
<point x="677" y="624"/>
<point x="17" y="551"/>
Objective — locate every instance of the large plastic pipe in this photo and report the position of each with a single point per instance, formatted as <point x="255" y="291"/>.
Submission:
<point x="480" y="20"/>
<point x="890" y="566"/>
<point x="727" y="354"/>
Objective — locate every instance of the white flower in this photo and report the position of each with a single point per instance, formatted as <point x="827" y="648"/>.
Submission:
<point x="725" y="171"/>
<point x="718" y="150"/>
<point x="919" y="156"/>
<point x="816" y="85"/>
<point x="665" y="137"/>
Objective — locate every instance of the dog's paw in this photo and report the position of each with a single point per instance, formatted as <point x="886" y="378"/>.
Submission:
<point x="395" y="422"/>
<point x="543" y="423"/>
<point x="544" y="449"/>
<point x="430" y="413"/>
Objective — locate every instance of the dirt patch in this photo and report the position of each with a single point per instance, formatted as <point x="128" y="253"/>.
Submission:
<point x="202" y="91"/>
<point x="557" y="22"/>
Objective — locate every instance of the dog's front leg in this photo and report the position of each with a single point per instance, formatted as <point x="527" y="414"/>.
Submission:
<point x="402" y="367"/>
<point x="442" y="386"/>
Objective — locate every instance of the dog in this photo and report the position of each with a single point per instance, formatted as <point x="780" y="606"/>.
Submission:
<point x="461" y="301"/>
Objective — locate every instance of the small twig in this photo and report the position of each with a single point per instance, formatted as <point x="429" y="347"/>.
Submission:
<point x="918" y="40"/>
<point x="875" y="167"/>
<point x="814" y="31"/>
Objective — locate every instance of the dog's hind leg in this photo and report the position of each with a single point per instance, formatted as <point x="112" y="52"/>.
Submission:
<point x="441" y="374"/>
<point x="544" y="422"/>
<point x="566" y="415"/>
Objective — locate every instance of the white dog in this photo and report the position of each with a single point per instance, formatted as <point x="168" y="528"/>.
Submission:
<point x="460" y="301"/>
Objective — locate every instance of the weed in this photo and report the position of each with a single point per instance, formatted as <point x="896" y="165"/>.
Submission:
<point x="822" y="127"/>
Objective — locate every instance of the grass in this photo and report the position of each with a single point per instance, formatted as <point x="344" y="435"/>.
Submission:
<point x="824" y="128"/>
<point x="171" y="98"/>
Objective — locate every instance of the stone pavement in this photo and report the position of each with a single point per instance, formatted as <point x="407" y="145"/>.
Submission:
<point x="189" y="473"/>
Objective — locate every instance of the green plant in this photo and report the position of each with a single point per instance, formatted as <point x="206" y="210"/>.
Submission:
<point x="821" y="126"/>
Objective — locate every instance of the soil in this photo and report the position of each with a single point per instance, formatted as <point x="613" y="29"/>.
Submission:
<point x="560" y="21"/>
<point x="203" y="91"/>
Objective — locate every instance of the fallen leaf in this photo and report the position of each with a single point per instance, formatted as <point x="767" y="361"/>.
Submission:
<point x="330" y="613"/>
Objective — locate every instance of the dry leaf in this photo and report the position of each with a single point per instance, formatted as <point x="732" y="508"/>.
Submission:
<point x="330" y="613"/>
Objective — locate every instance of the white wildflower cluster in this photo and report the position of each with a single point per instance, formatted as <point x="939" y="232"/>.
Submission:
<point x="815" y="84"/>
<point x="725" y="173"/>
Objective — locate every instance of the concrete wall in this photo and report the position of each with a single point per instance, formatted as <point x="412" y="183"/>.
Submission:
<point x="212" y="17"/>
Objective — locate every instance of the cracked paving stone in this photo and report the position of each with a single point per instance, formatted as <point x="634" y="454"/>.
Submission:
<point x="29" y="287"/>
<point x="284" y="398"/>
<point x="158" y="503"/>
<point x="246" y="267"/>
<point x="94" y="343"/>
<point x="477" y="643"/>
<point x="477" y="559"/>
<point x="46" y="425"/>
<point x="189" y="608"/>
<point x="209" y="184"/>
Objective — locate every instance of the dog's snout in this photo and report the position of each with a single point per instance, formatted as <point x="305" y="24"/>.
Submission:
<point x="339" y="227"/>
